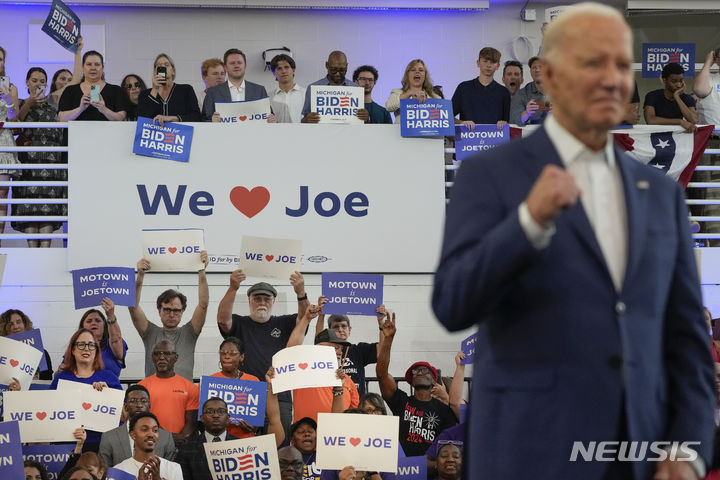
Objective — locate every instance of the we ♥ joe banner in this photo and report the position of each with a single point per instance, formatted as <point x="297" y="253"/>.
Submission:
<point x="18" y="360"/>
<point x="468" y="348"/>
<point x="91" y="285"/>
<point x="367" y="442"/>
<point x="337" y="104"/>
<point x="54" y="457"/>
<point x="241" y="113"/>
<point x="432" y="118"/>
<point x="255" y="457"/>
<point x="270" y="257"/>
<point x="233" y="192"/>
<point x="11" y="457"/>
<point x="245" y="398"/>
<point x="173" y="250"/>
<point x="169" y="142"/>
<point x="62" y="25"/>
<point x="483" y="137"/>
<point x="41" y="420"/>
<point x="34" y="339"/>
<point x="100" y="411"/>
<point x="305" y="366"/>
<point x="352" y="293"/>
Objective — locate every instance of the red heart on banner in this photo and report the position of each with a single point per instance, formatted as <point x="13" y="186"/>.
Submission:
<point x="355" y="441"/>
<point x="172" y="249"/>
<point x="302" y="366"/>
<point x="14" y="363"/>
<point x="269" y="257"/>
<point x="41" y="415"/>
<point x="87" y="406"/>
<point x="249" y="202"/>
<point x="243" y="118"/>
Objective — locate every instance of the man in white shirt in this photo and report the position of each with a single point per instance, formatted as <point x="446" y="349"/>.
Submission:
<point x="287" y="99"/>
<point x="144" y="432"/>
<point x="707" y="88"/>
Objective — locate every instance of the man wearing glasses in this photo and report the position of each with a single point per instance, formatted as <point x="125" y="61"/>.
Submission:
<point x="176" y="398"/>
<point x="336" y="69"/>
<point x="367" y="76"/>
<point x="422" y="417"/>
<point x="171" y="305"/>
<point x="212" y="428"/>
<point x="116" y="444"/>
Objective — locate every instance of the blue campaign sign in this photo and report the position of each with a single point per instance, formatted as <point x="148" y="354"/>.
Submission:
<point x="352" y="293"/>
<point x="483" y="137"/>
<point x="91" y="285"/>
<point x="468" y="348"/>
<point x="245" y="398"/>
<point x="656" y="55"/>
<point x="11" y="458"/>
<point x="409" y="468"/>
<point x="432" y="118"/>
<point x="62" y="25"/>
<point x="171" y="142"/>
<point x="117" y="474"/>
<point x="34" y="339"/>
<point x="54" y="457"/>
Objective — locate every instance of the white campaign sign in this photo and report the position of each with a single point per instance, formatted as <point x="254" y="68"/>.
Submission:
<point x="100" y="411"/>
<point x="360" y="197"/>
<point x="305" y="366"/>
<point x="43" y="418"/>
<point x="270" y="257"/>
<point x="337" y="104"/>
<point x="254" y="458"/>
<point x="367" y="442"/>
<point x="18" y="360"/>
<point x="241" y="113"/>
<point x="173" y="250"/>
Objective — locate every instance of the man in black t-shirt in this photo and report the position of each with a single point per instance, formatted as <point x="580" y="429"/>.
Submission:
<point x="671" y="105"/>
<point x="422" y="417"/>
<point x="262" y="333"/>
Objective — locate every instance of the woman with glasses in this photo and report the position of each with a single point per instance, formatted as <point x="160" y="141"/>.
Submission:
<point x="107" y="335"/>
<point x="132" y="85"/>
<point x="83" y="364"/>
<point x="372" y="404"/>
<point x="168" y="101"/>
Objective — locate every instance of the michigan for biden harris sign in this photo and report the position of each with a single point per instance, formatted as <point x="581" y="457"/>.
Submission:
<point x="312" y="183"/>
<point x="171" y="141"/>
<point x="431" y="118"/>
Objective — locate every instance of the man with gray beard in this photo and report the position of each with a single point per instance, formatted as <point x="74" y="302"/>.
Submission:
<point x="262" y="333"/>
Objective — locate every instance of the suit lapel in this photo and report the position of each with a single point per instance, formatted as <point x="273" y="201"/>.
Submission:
<point x="540" y="151"/>
<point x="635" y="186"/>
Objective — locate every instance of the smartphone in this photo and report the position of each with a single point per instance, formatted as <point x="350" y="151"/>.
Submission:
<point x="5" y="83"/>
<point x="162" y="71"/>
<point x="542" y="106"/>
<point x="94" y="93"/>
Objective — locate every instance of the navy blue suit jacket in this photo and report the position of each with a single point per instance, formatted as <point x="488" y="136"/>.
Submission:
<point x="560" y="352"/>
<point x="221" y="93"/>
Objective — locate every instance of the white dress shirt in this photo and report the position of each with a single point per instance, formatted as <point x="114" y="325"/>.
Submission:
<point x="237" y="93"/>
<point x="209" y="436"/>
<point x="287" y="106"/>
<point x="601" y="192"/>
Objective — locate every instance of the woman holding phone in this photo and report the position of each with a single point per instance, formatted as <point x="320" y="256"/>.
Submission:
<point x="93" y="98"/>
<point x="168" y="101"/>
<point x="38" y="108"/>
<point x="8" y="111"/>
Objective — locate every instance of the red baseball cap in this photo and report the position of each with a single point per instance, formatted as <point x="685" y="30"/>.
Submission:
<point x="408" y="373"/>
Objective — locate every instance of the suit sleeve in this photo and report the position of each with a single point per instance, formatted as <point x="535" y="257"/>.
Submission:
<point x="485" y="248"/>
<point x="688" y="362"/>
<point x="105" y="450"/>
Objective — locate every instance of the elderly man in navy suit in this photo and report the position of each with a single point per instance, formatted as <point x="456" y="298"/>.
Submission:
<point x="576" y="264"/>
<point x="236" y="89"/>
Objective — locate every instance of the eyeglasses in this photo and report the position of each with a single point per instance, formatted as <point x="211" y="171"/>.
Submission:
<point x="373" y="411"/>
<point x="213" y="411"/>
<point x="420" y="371"/>
<point x="337" y="70"/>
<point x="229" y="354"/>
<point x="163" y="354"/>
<point x="130" y="86"/>
<point x="365" y="79"/>
<point x="172" y="311"/>
<point x="140" y="401"/>
<point x="297" y="464"/>
<point x="86" y="346"/>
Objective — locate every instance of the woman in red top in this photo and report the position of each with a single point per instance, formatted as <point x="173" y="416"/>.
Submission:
<point x="232" y="356"/>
